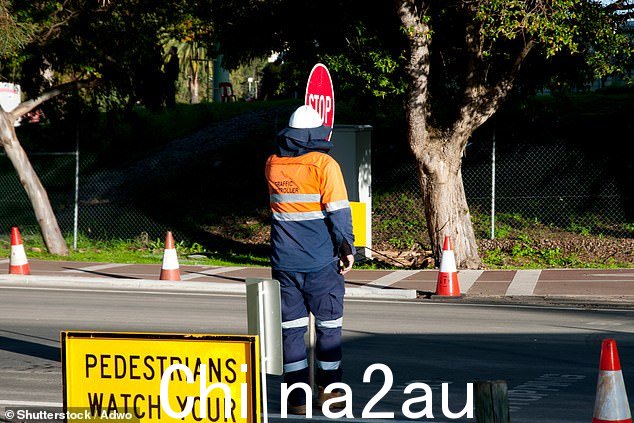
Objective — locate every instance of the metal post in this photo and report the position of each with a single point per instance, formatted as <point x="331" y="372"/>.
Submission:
<point x="312" y="341"/>
<point x="264" y="318"/>
<point x="493" y="181"/>
<point x="76" y="211"/>
<point x="265" y="415"/>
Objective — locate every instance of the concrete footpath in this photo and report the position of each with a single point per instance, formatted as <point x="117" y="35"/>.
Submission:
<point x="600" y="285"/>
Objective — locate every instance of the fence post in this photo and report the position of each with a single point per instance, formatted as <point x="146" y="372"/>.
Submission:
<point x="76" y="210"/>
<point x="493" y="180"/>
<point x="491" y="402"/>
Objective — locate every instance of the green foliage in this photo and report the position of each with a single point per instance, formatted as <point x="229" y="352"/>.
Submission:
<point x="117" y="42"/>
<point x="14" y="34"/>
<point x="589" y="29"/>
<point x="252" y="69"/>
<point x="367" y="66"/>
<point x="378" y="79"/>
<point x="525" y="254"/>
<point x="399" y="220"/>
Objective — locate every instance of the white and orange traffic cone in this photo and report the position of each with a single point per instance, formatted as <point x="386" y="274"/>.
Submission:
<point x="18" y="264"/>
<point x="611" y="404"/>
<point x="447" y="284"/>
<point x="169" y="269"/>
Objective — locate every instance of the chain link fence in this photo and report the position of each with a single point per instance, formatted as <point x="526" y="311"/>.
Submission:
<point x="87" y="199"/>
<point x="57" y="173"/>
<point x="556" y="186"/>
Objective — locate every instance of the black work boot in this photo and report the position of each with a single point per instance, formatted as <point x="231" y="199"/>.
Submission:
<point x="325" y="378"/>
<point x="296" y="403"/>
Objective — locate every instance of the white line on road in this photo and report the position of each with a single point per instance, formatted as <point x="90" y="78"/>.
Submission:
<point x="121" y="291"/>
<point x="17" y="403"/>
<point x="95" y="268"/>
<point x="582" y="281"/>
<point x="466" y="279"/>
<point x="210" y="272"/>
<point x="612" y="275"/>
<point x="523" y="282"/>
<point x="392" y="278"/>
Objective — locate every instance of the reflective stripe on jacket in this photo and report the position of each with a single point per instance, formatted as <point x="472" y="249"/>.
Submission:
<point x="311" y="213"/>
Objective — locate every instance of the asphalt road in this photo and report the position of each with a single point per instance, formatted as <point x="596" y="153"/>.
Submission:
<point x="548" y="356"/>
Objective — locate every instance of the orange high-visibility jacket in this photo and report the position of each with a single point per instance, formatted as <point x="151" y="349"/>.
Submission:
<point x="312" y="223"/>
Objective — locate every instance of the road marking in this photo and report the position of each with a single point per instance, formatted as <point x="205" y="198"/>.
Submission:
<point x="3" y="261"/>
<point x="583" y="281"/>
<point x="392" y="278"/>
<point x="121" y="291"/>
<point x="95" y="268"/>
<point x="210" y="272"/>
<point x="597" y="323"/>
<point x="30" y="403"/>
<point x="466" y="279"/>
<point x="612" y="275"/>
<point x="537" y="389"/>
<point x="523" y="282"/>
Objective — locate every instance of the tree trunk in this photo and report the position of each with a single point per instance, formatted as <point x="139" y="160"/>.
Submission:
<point x="193" y="88"/>
<point x="446" y="209"/>
<point x="49" y="227"/>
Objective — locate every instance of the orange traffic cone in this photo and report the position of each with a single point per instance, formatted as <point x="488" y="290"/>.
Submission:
<point x="169" y="269"/>
<point x="611" y="404"/>
<point x="18" y="264"/>
<point x="447" y="284"/>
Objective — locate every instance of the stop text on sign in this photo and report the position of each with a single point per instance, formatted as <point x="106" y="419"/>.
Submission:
<point x="322" y="104"/>
<point x="320" y="94"/>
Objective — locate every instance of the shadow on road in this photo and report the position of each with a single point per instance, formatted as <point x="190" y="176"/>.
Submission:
<point x="34" y="349"/>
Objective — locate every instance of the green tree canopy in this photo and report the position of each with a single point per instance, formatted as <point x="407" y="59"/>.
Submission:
<point x="117" y="42"/>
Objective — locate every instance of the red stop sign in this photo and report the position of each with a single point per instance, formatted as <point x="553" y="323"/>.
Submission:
<point x="320" y="94"/>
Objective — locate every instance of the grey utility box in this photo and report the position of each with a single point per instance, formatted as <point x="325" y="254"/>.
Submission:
<point x="352" y="148"/>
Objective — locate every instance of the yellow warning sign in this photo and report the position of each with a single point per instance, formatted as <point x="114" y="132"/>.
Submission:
<point x="146" y="377"/>
<point x="359" y="223"/>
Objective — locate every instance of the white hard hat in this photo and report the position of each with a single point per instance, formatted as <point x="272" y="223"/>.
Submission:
<point x="305" y="117"/>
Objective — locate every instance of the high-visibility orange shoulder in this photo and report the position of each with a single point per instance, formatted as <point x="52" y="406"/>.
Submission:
<point x="311" y="173"/>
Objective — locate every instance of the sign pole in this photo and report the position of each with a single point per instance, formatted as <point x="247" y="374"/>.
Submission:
<point x="265" y="414"/>
<point x="320" y="95"/>
<point x="312" y="340"/>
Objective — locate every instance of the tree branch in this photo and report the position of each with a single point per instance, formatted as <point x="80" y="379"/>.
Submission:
<point x="55" y="27"/>
<point x="619" y="5"/>
<point x="474" y="44"/>
<point x="498" y="92"/>
<point x="418" y="35"/>
<point x="27" y="106"/>
<point x="476" y="110"/>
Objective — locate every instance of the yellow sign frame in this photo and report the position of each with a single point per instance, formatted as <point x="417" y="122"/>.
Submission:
<point x="183" y="349"/>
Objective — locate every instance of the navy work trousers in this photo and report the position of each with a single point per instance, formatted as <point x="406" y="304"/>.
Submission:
<point x="321" y="293"/>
